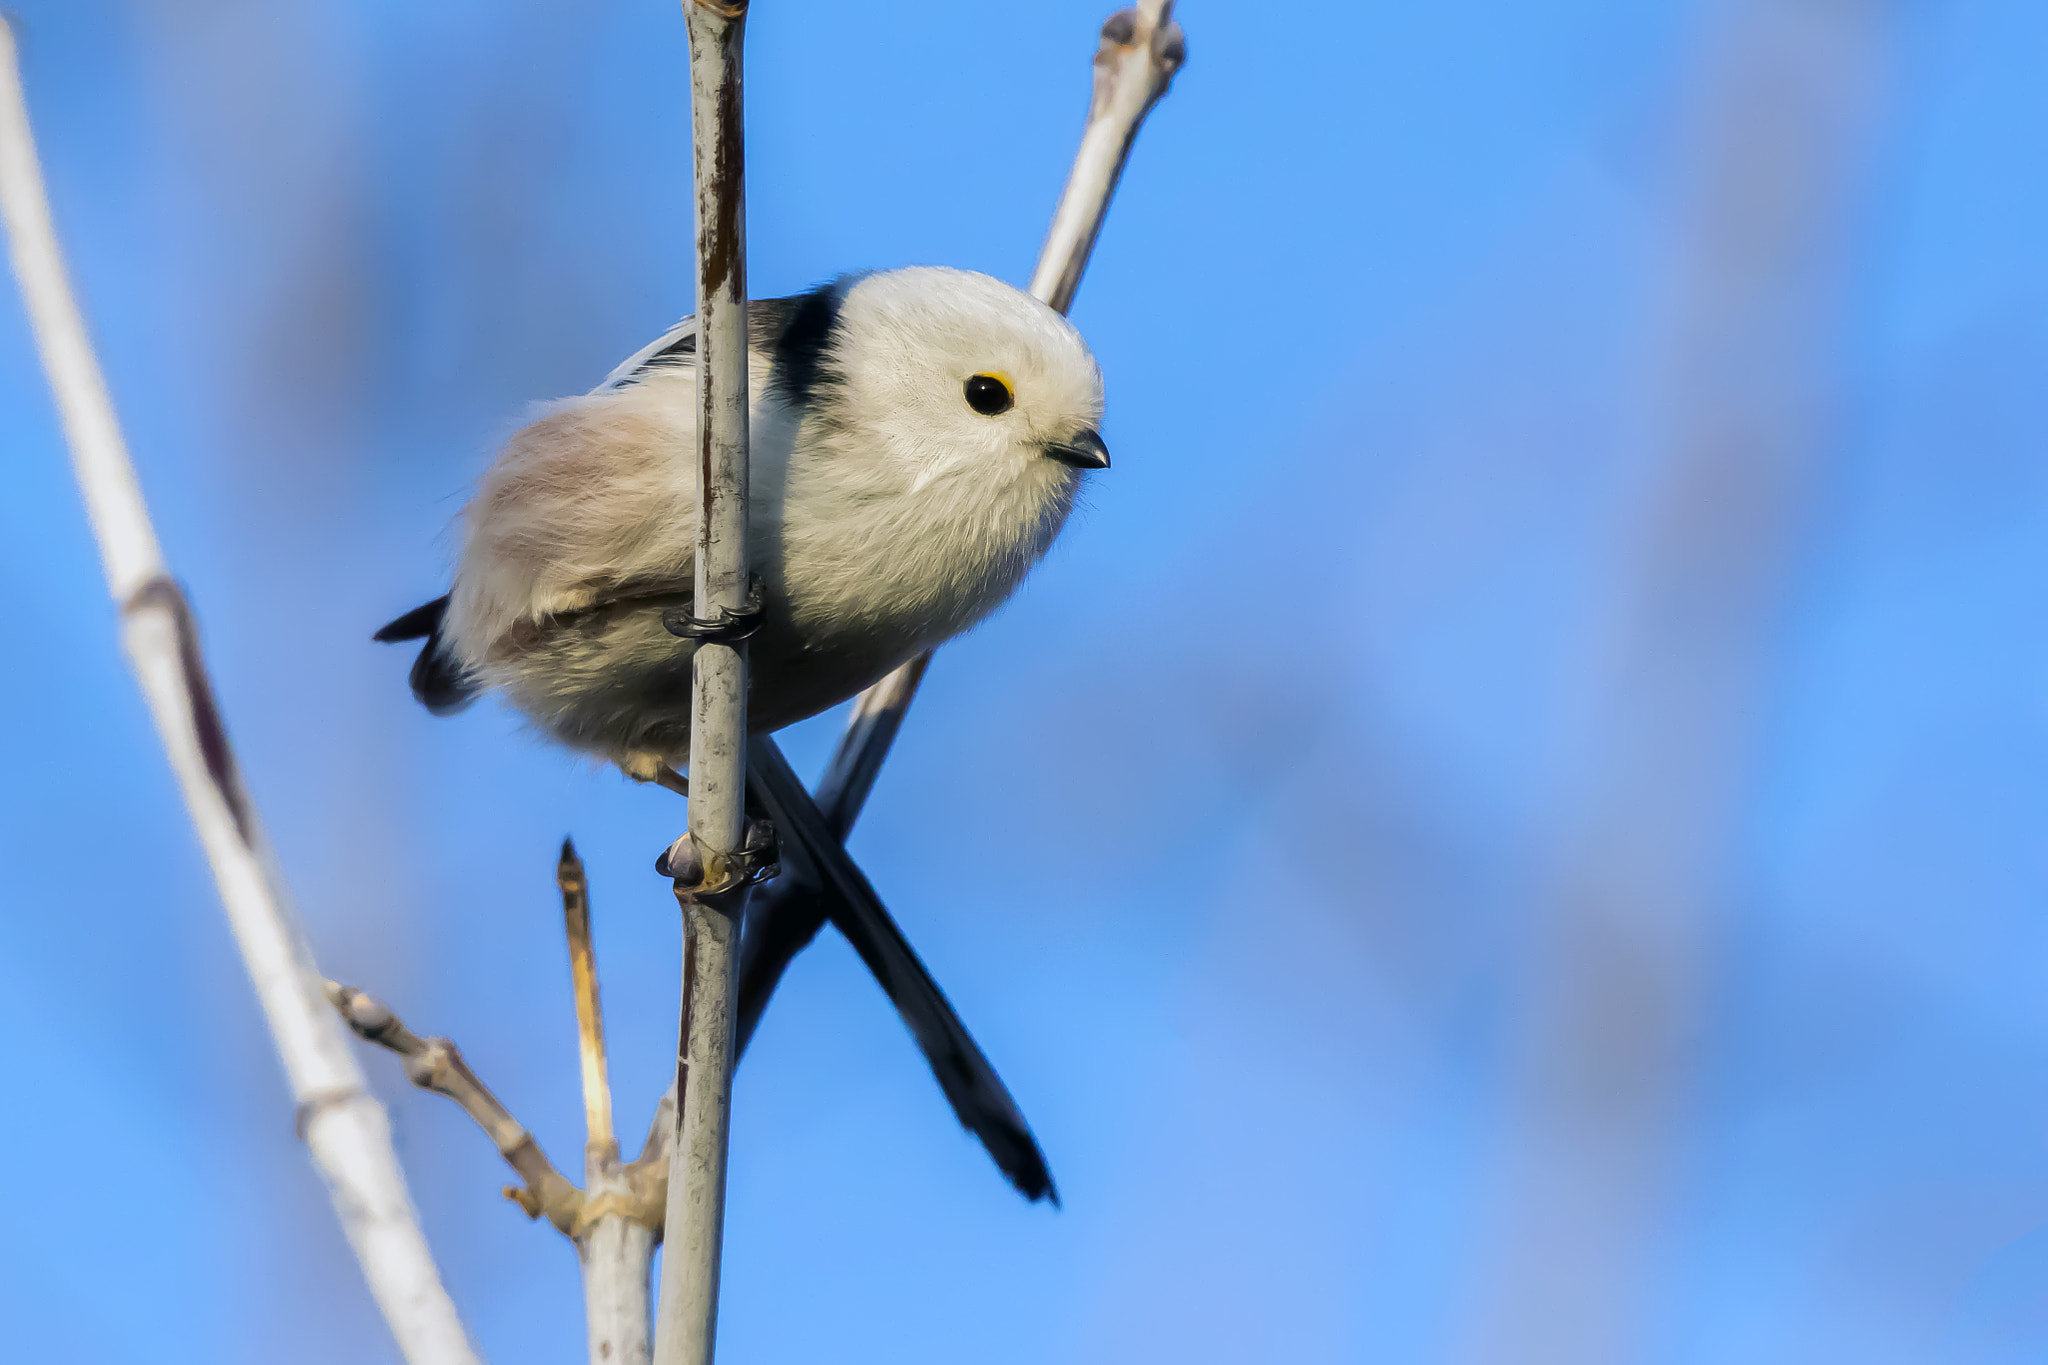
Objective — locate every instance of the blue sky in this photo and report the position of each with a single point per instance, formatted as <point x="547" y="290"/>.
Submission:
<point x="1509" y="829"/>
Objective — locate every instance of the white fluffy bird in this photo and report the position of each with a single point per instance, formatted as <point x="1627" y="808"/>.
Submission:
<point x="918" y="437"/>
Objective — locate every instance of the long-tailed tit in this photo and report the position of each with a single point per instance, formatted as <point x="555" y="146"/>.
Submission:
<point x="917" y="440"/>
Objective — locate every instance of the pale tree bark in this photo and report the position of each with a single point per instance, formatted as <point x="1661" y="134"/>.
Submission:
<point x="345" y="1129"/>
<point x="713" y="875"/>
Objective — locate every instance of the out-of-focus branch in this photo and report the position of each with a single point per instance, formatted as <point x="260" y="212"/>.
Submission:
<point x="436" y="1064"/>
<point x="1139" y="53"/>
<point x="345" y="1129"/>
<point x="1609" y="1023"/>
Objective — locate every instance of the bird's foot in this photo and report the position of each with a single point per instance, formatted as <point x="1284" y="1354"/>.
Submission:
<point x="755" y="861"/>
<point x="647" y="767"/>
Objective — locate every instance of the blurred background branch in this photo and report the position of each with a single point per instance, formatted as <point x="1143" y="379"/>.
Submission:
<point x="343" y="1126"/>
<point x="1637" y="908"/>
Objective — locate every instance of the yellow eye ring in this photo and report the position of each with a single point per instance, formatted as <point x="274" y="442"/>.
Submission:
<point x="989" y="394"/>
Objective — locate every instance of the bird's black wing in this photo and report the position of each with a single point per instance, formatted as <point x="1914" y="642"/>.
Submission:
<point x="978" y="1096"/>
<point x="792" y="333"/>
<point x="417" y="624"/>
<point x="437" y="682"/>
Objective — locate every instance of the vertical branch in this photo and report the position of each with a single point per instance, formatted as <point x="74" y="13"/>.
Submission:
<point x="344" y="1127"/>
<point x="601" y="1145"/>
<point x="711" y="883"/>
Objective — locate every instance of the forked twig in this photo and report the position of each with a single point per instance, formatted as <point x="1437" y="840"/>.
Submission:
<point x="616" y="1218"/>
<point x="436" y="1064"/>
<point x="345" y="1129"/>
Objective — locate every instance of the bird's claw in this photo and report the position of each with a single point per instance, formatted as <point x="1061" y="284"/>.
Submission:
<point x="684" y="863"/>
<point x="724" y="626"/>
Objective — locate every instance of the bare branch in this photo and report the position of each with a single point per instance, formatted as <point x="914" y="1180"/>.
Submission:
<point x="712" y="901"/>
<point x="436" y="1064"/>
<point x="345" y="1129"/>
<point x="1141" y="50"/>
<point x="601" y="1147"/>
<point x="1139" y="53"/>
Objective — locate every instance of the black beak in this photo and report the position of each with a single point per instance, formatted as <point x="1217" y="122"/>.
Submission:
<point x="1085" y="451"/>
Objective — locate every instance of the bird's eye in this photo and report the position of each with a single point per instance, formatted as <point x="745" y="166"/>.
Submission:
<point x="988" y="395"/>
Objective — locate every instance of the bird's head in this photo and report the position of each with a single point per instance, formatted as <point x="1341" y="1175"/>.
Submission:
<point x="951" y="374"/>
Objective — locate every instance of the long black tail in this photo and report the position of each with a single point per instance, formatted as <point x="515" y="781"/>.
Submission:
<point x="440" y="685"/>
<point x="809" y="850"/>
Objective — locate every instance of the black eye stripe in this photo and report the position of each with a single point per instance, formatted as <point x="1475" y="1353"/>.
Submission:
<point x="988" y="395"/>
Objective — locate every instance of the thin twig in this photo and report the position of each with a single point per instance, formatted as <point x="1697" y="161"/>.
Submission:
<point x="345" y="1129"/>
<point x="601" y="1147"/>
<point x="1141" y="50"/>
<point x="436" y="1064"/>
<point x="870" y="731"/>
<point x="623" y="1207"/>
<point x="1139" y="53"/>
